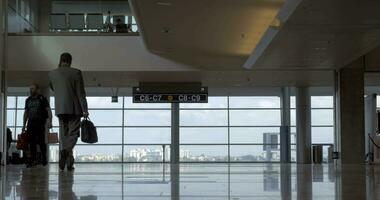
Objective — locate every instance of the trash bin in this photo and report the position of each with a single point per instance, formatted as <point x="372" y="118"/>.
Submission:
<point x="317" y="154"/>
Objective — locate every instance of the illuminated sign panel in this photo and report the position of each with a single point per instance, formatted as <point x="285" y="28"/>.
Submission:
<point x="170" y="98"/>
<point x="170" y="94"/>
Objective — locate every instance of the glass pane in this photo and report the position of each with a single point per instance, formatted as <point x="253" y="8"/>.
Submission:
<point x="322" y="135"/>
<point x="130" y="104"/>
<point x="97" y="153"/>
<point x="147" y="118"/>
<point x="55" y="119"/>
<point x="322" y="117"/>
<point x="11" y="102"/>
<point x="52" y="102"/>
<point x="293" y="131"/>
<point x="251" y="135"/>
<point x="108" y="136"/>
<point x="204" y="135"/>
<point x="293" y="102"/>
<point x="106" y="117"/>
<point x="133" y="20"/>
<point x="147" y="136"/>
<point x="255" y="117"/>
<point x="151" y="153"/>
<point x="322" y="102"/>
<point x="21" y="102"/>
<point x="293" y="153"/>
<point x="20" y="114"/>
<point x="213" y="102"/>
<point x="255" y="102"/>
<point x="104" y="102"/>
<point x="203" y="118"/>
<point x="11" y="117"/>
<point x="293" y="117"/>
<point x="259" y="153"/>
<point x="204" y="153"/>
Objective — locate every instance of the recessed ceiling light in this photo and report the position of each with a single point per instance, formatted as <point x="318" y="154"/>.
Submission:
<point x="164" y="4"/>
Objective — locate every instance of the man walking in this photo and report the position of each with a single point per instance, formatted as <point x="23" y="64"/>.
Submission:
<point x="70" y="106"/>
<point x="36" y="116"/>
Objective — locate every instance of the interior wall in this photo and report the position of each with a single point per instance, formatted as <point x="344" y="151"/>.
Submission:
<point x="90" y="53"/>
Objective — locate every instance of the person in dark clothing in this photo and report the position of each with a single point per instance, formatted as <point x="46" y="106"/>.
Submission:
<point x="9" y="142"/>
<point x="121" y="27"/>
<point x="9" y="138"/>
<point x="37" y="116"/>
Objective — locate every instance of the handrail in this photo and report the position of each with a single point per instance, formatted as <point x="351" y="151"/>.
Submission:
<point x="75" y="34"/>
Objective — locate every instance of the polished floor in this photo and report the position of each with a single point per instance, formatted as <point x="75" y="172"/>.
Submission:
<point x="192" y="181"/>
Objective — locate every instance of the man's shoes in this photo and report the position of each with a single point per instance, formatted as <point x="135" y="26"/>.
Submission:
<point x="62" y="159"/>
<point x="70" y="160"/>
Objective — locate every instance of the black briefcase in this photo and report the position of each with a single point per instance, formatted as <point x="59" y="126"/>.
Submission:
<point x="88" y="131"/>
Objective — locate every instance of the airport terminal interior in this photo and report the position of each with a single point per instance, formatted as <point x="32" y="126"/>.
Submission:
<point x="198" y="99"/>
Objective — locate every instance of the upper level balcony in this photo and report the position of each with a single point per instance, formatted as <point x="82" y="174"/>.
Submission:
<point x="68" y="17"/>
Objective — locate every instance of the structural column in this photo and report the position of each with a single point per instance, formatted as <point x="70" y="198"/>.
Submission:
<point x="350" y="130"/>
<point x="370" y="123"/>
<point x="3" y="85"/>
<point x="44" y="12"/>
<point x="285" y="146"/>
<point x="303" y="112"/>
<point x="350" y="113"/>
<point x="174" y="148"/>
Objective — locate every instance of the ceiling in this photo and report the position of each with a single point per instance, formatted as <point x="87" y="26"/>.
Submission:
<point x="225" y="34"/>
<point x="212" y="34"/>
<point x="323" y="34"/>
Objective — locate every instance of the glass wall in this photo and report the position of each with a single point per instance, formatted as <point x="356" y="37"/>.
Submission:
<point x="127" y="132"/>
<point x="236" y="129"/>
<point x="322" y="122"/>
<point x="23" y="16"/>
<point x="227" y="128"/>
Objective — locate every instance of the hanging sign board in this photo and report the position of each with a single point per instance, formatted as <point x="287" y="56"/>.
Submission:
<point x="170" y="93"/>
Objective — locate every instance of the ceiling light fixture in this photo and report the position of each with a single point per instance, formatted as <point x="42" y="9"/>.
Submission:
<point x="164" y="4"/>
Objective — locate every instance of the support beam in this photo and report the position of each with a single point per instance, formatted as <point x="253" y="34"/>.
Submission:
<point x="174" y="148"/>
<point x="303" y="112"/>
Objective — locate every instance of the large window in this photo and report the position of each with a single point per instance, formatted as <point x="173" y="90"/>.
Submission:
<point x="227" y="128"/>
<point x="322" y="122"/>
<point x="230" y="129"/>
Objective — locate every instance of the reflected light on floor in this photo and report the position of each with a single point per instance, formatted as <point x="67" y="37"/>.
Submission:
<point x="191" y="181"/>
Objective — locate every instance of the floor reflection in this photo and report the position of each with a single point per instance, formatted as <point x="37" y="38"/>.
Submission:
<point x="192" y="181"/>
